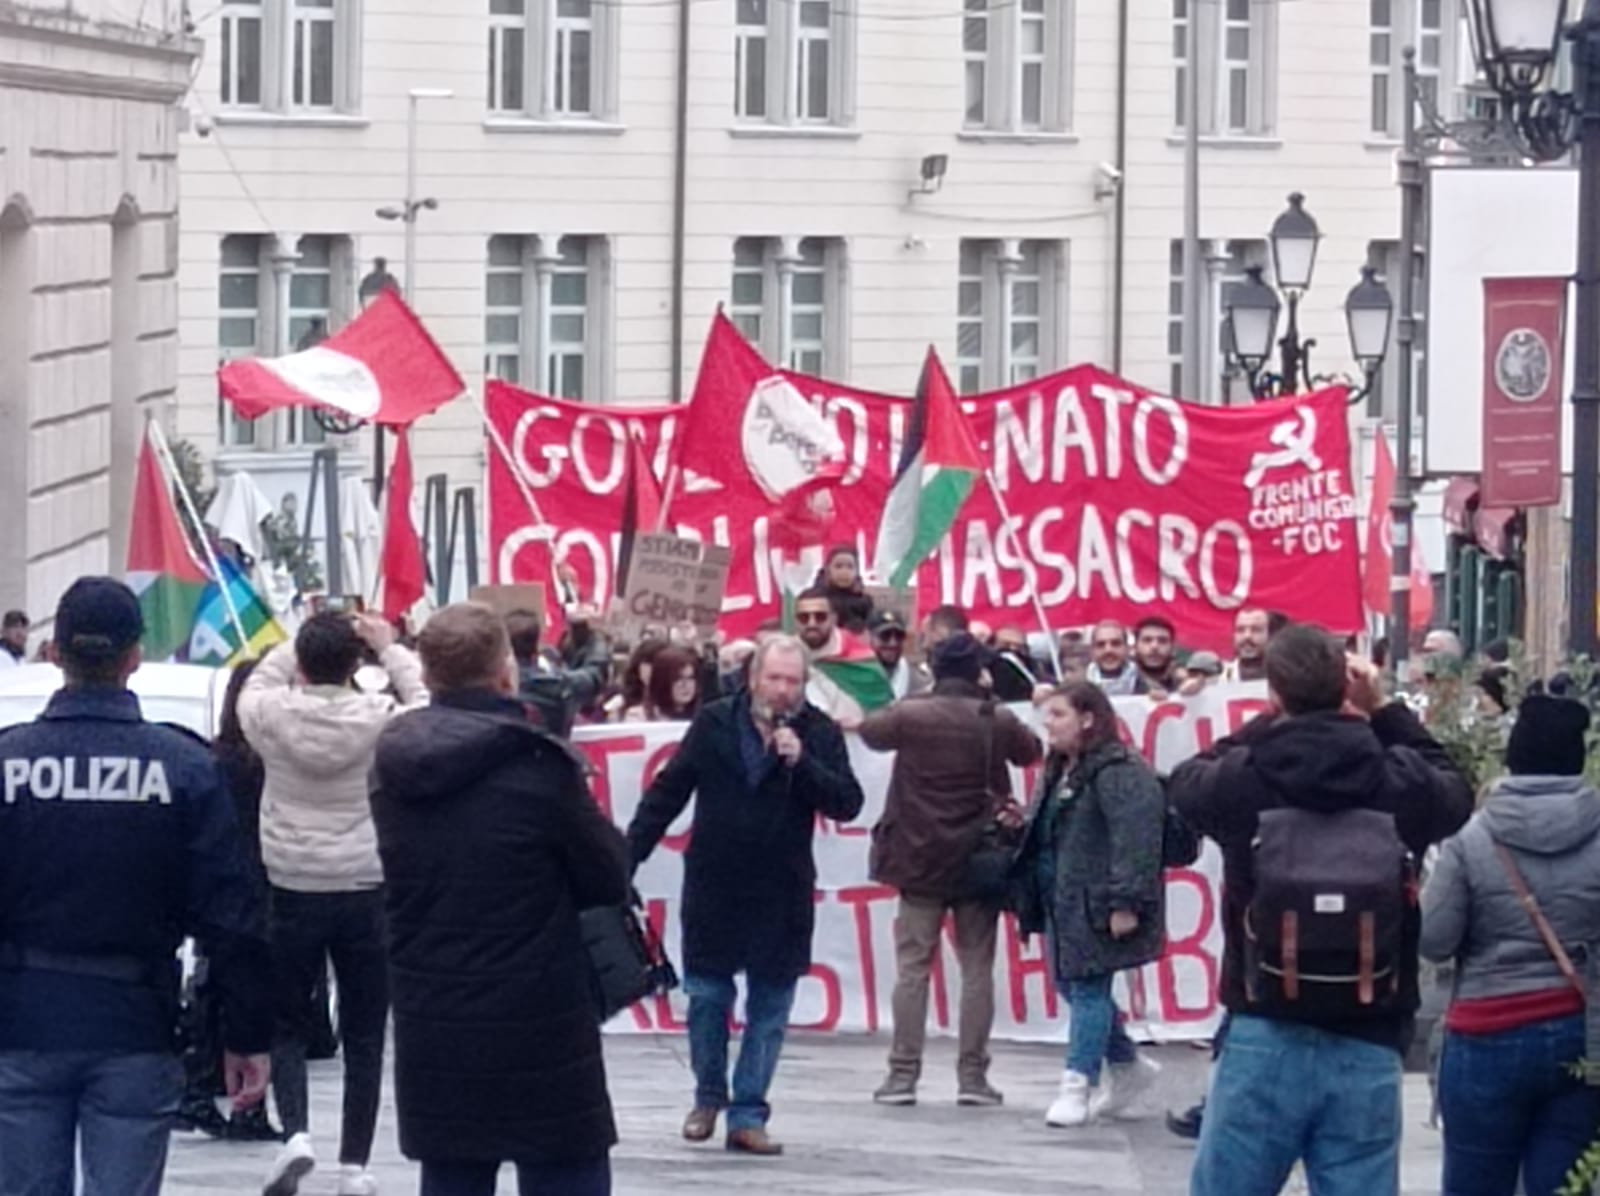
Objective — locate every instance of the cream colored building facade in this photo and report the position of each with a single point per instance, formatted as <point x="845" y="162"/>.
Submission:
<point x="90" y="97"/>
<point x="552" y="255"/>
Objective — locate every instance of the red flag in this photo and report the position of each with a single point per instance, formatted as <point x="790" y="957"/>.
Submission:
<point x="404" y="574"/>
<point x="641" y="507"/>
<point x="382" y="367"/>
<point x="1377" y="580"/>
<point x="751" y="423"/>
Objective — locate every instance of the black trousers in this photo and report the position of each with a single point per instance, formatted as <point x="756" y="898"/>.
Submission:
<point x="346" y="928"/>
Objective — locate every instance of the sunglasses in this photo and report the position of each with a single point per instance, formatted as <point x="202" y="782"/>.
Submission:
<point x="892" y="635"/>
<point x="812" y="618"/>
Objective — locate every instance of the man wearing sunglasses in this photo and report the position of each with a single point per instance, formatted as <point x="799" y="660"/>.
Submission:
<point x="889" y="638"/>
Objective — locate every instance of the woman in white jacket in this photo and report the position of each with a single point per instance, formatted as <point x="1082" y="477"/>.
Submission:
<point x="317" y="734"/>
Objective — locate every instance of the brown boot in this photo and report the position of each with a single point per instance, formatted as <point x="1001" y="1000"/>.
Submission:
<point x="753" y="1142"/>
<point x="700" y="1125"/>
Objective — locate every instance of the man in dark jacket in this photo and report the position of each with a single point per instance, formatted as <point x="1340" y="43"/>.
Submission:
<point x="950" y="782"/>
<point x="117" y="838"/>
<point x="1290" y="1087"/>
<point x="553" y="687"/>
<point x="490" y="846"/>
<point x="761" y="766"/>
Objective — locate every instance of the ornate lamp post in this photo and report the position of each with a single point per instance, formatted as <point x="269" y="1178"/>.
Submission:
<point x="1517" y="44"/>
<point x="1252" y="307"/>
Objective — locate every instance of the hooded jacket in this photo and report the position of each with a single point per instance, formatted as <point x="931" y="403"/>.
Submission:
<point x="316" y="744"/>
<point x="1470" y="912"/>
<point x="491" y="845"/>
<point x="1326" y="762"/>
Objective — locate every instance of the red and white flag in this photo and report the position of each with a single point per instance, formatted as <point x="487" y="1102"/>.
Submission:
<point x="1378" y="575"/>
<point x="405" y="576"/>
<point x="382" y="367"/>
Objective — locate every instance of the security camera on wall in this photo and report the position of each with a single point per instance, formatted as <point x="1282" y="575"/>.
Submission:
<point x="1107" y="180"/>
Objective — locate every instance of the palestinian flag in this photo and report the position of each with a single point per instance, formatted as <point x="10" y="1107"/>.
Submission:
<point x="162" y="569"/>
<point x="938" y="467"/>
<point x="850" y="680"/>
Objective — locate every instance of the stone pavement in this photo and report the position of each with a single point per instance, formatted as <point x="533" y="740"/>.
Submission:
<point x="839" y="1143"/>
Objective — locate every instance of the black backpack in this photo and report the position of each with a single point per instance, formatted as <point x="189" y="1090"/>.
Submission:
<point x="1325" y="931"/>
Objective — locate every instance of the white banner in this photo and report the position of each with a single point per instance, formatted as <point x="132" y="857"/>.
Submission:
<point x="852" y="977"/>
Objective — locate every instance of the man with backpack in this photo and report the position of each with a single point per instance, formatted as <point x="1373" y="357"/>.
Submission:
<point x="1323" y="809"/>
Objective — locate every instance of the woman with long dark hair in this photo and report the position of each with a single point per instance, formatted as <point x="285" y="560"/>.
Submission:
<point x="1093" y="884"/>
<point x="674" y="694"/>
<point x="202" y="1056"/>
<point x="636" y="677"/>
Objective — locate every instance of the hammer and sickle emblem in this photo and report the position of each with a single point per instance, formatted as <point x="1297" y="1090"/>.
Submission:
<point x="1296" y="440"/>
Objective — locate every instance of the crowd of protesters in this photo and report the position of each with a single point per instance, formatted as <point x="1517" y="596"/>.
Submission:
<point x="381" y="824"/>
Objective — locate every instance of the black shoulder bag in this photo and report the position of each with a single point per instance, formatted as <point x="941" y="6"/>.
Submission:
<point x="989" y="867"/>
<point x="627" y="960"/>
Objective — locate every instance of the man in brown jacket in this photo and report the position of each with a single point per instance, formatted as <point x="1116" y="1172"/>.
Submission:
<point x="950" y="782"/>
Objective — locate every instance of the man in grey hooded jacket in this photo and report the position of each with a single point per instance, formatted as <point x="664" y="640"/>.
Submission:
<point x="1507" y="1089"/>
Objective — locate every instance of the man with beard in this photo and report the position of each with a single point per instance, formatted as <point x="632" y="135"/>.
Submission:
<point x="760" y="766"/>
<point x="889" y="645"/>
<point x="1110" y="667"/>
<point x="1155" y="642"/>
<point x="1252" y="629"/>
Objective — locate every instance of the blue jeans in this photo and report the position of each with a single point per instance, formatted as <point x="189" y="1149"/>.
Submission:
<point x="533" y="1179"/>
<point x="766" y="1016"/>
<point x="1096" y="1034"/>
<point x="1510" y="1105"/>
<point x="1283" y="1092"/>
<point x="120" y="1108"/>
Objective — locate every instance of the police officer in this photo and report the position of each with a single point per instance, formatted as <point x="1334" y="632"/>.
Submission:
<point x="117" y="838"/>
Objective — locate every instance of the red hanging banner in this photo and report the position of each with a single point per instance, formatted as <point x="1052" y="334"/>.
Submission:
<point x="1523" y="352"/>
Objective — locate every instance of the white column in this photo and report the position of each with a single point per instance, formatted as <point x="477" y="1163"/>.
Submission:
<point x="1010" y="257"/>
<point x="545" y="256"/>
<point x="788" y="257"/>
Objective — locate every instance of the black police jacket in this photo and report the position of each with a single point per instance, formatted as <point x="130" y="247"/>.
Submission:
<point x="118" y="839"/>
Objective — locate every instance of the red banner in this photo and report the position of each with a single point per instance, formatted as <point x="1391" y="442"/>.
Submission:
<point x="1522" y="359"/>
<point x="1122" y="502"/>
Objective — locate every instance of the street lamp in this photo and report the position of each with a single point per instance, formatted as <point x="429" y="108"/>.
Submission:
<point x="406" y="213"/>
<point x="1516" y="44"/>
<point x="1251" y="308"/>
<point x="1369" y="311"/>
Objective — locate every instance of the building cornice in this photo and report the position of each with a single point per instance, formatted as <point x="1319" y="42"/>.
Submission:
<point x="169" y="56"/>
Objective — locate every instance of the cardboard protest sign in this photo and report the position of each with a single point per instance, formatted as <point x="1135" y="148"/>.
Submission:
<point x="672" y="581"/>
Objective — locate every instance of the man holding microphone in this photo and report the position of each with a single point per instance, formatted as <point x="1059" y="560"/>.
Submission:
<point x="762" y="765"/>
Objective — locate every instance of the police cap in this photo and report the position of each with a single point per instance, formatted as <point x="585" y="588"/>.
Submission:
<point x="98" y="619"/>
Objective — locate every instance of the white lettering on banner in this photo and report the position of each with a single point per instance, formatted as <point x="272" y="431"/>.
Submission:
<point x="859" y="440"/>
<point x="1307" y="513"/>
<point x="1177" y="422"/>
<point x="1014" y="440"/>
<point x="852" y="977"/>
<point x="593" y="482"/>
<point x="96" y="779"/>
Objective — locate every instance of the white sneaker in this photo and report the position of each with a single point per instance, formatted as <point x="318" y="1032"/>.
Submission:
<point x="1125" y="1084"/>
<point x="357" y="1181"/>
<point x="1071" y="1106"/>
<point x="294" y="1162"/>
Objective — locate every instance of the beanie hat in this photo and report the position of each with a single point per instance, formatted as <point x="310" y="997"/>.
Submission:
<point x="1548" y="739"/>
<point x="960" y="657"/>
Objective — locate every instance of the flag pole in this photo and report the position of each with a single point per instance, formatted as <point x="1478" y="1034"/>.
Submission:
<point x="158" y="439"/>
<point x="668" y="493"/>
<point x="1028" y="573"/>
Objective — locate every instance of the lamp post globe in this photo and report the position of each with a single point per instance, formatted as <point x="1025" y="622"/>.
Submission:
<point x="1515" y="41"/>
<point x="1294" y="246"/>
<point x="1369" y="312"/>
<point x="1251" y="309"/>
